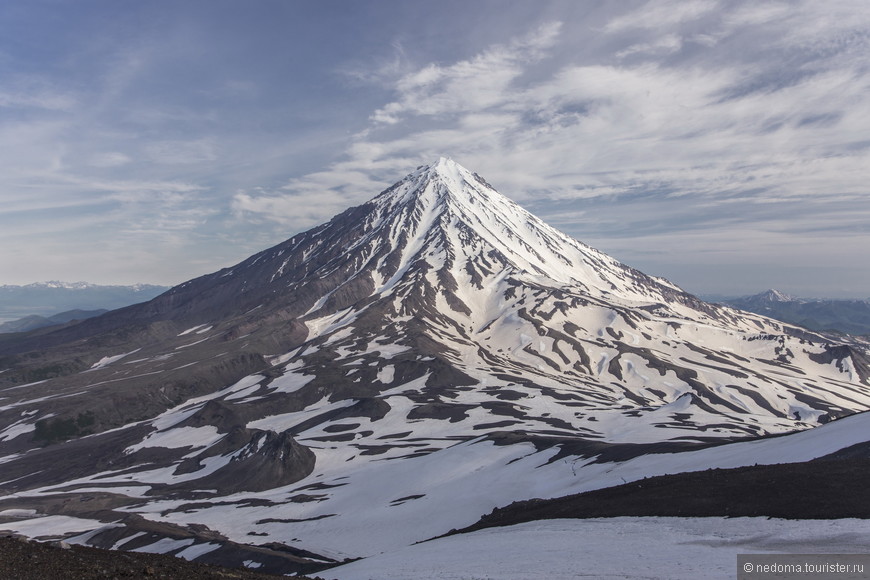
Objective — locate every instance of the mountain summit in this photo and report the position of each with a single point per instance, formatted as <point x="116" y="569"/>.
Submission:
<point x="426" y="348"/>
<point x="773" y="295"/>
<point x="454" y="220"/>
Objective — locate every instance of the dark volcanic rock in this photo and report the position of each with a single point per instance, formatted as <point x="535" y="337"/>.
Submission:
<point x="266" y="461"/>
<point x="821" y="489"/>
<point x="217" y="414"/>
<point x="30" y="560"/>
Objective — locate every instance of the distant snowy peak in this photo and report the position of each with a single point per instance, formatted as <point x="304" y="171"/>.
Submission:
<point x="764" y="301"/>
<point x="773" y="296"/>
<point x="47" y="299"/>
<point x="55" y="284"/>
<point x="61" y="285"/>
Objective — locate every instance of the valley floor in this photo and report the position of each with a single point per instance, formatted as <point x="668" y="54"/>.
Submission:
<point x="623" y="547"/>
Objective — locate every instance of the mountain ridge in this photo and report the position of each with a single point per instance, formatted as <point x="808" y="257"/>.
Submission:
<point x="80" y="285"/>
<point x="817" y="314"/>
<point x="35" y="321"/>
<point x="53" y="297"/>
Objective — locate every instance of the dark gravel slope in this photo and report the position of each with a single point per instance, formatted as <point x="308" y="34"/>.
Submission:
<point x="829" y="489"/>
<point x="21" y="559"/>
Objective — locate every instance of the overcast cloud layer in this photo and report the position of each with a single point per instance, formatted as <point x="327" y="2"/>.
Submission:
<point x="723" y="145"/>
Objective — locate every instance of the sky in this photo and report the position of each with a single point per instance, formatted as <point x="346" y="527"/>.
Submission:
<point x="724" y="145"/>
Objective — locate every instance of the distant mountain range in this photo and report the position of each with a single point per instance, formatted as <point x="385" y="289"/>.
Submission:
<point x="47" y="303"/>
<point x="848" y="316"/>
<point x="34" y="321"/>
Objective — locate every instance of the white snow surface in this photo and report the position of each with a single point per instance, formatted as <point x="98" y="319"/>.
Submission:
<point x="16" y="429"/>
<point x="179" y="437"/>
<point x="107" y="360"/>
<point x="51" y="527"/>
<point x="384" y="504"/>
<point x="164" y="545"/>
<point x="197" y="550"/>
<point x="17" y="513"/>
<point x="634" y="548"/>
<point x="199" y="329"/>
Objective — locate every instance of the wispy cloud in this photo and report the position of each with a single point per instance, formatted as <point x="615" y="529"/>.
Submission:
<point x="109" y="159"/>
<point x="470" y="85"/>
<point x="605" y="129"/>
<point x="662" y="15"/>
<point x="182" y="151"/>
<point x="383" y="69"/>
<point x="666" y="44"/>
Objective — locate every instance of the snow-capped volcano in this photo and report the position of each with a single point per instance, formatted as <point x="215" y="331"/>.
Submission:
<point x="436" y="346"/>
<point x="455" y="221"/>
<point x="451" y="223"/>
<point x="482" y="304"/>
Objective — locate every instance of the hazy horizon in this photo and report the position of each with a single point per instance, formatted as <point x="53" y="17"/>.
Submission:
<point x="721" y="145"/>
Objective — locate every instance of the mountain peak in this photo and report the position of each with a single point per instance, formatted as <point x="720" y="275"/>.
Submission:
<point x="450" y="171"/>
<point x="445" y="163"/>
<point x="773" y="295"/>
<point x="444" y="211"/>
<point x="454" y="180"/>
<point x="444" y="217"/>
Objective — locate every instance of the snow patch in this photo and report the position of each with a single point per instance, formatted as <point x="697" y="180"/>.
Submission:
<point x="197" y="329"/>
<point x="197" y="550"/>
<point x="179" y="437"/>
<point x="107" y="360"/>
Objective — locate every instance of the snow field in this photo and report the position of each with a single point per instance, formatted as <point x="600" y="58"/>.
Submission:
<point x="628" y="548"/>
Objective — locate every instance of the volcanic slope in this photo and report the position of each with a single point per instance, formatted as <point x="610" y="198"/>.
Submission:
<point x="424" y="357"/>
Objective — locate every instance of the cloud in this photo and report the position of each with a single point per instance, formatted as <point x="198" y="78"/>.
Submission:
<point x="378" y="70"/>
<point x="30" y="91"/>
<point x="667" y="44"/>
<point x="181" y="152"/>
<point x="109" y="159"/>
<point x="39" y="100"/>
<point x="291" y="210"/>
<point x="469" y="85"/>
<point x="659" y="16"/>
